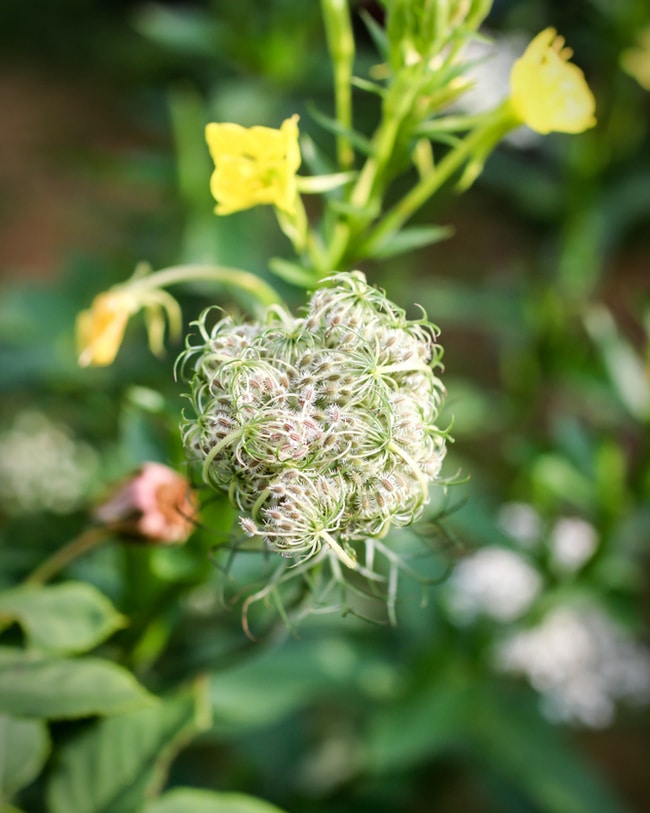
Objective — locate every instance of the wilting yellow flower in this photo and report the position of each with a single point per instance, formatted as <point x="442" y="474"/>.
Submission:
<point x="254" y="165"/>
<point x="100" y="329"/>
<point x="636" y="61"/>
<point x="549" y="93"/>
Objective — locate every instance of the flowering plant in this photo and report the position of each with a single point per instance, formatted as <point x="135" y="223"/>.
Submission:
<point x="298" y="459"/>
<point x="322" y="429"/>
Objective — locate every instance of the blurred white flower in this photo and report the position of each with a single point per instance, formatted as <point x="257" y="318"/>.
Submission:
<point x="494" y="582"/>
<point x="582" y="663"/>
<point x="573" y="541"/>
<point x="520" y="522"/>
<point x="43" y="467"/>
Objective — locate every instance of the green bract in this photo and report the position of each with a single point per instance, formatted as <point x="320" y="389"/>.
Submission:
<point x="322" y="429"/>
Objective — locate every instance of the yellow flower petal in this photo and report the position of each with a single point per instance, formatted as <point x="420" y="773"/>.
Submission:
<point x="100" y="329"/>
<point x="254" y="166"/>
<point x="549" y="93"/>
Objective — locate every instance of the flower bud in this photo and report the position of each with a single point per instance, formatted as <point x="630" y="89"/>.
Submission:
<point x="322" y="429"/>
<point x="154" y="506"/>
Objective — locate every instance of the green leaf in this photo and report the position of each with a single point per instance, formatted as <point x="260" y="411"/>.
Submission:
<point x="188" y="800"/>
<point x="114" y="764"/>
<point x="412" y="238"/>
<point x="291" y="676"/>
<point x="360" y="142"/>
<point x="415" y="727"/>
<point x="293" y="273"/>
<point x="24" y="748"/>
<point x="512" y="738"/>
<point x="377" y="34"/>
<point x="65" y="618"/>
<point x="61" y="688"/>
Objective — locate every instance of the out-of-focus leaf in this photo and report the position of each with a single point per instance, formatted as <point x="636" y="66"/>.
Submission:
<point x="63" y="618"/>
<point x="188" y="800"/>
<point x="115" y="763"/>
<point x="554" y="475"/>
<point x="511" y="737"/>
<point x="411" y="238"/>
<point x="359" y="141"/>
<point x="415" y="727"/>
<point x="292" y="272"/>
<point x="624" y="366"/>
<point x="291" y="676"/>
<point x="60" y="688"/>
<point x="180" y="29"/>
<point x="24" y="747"/>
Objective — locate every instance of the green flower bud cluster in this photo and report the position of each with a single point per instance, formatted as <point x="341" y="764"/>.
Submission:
<point x="322" y="429"/>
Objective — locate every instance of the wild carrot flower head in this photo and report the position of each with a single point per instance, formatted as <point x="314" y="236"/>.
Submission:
<point x="547" y="92"/>
<point x="254" y="166"/>
<point x="321" y="428"/>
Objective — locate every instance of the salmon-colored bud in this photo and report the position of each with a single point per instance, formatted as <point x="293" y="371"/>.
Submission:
<point x="155" y="506"/>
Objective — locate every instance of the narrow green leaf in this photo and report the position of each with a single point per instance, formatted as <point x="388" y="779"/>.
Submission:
<point x="24" y="748"/>
<point x="64" y="618"/>
<point x="188" y="800"/>
<point x="61" y="688"/>
<point x="293" y="273"/>
<point x="359" y="141"/>
<point x="368" y="86"/>
<point x="377" y="34"/>
<point x="114" y="764"/>
<point x="411" y="238"/>
<point x="511" y="737"/>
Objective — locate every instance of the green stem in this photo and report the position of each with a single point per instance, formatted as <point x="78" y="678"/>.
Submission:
<point x="87" y="540"/>
<point x="480" y="141"/>
<point x="230" y="277"/>
<point x="369" y="188"/>
<point x="340" y="42"/>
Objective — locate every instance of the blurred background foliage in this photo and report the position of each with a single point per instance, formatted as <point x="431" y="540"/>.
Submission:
<point x="523" y="683"/>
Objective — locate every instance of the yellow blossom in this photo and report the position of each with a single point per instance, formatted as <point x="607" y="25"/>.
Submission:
<point x="100" y="329"/>
<point x="549" y="93"/>
<point x="254" y="165"/>
<point x="636" y="61"/>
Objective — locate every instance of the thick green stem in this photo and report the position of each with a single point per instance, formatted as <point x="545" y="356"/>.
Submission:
<point x="340" y="42"/>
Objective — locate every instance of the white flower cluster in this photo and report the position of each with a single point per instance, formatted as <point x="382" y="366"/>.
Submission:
<point x="582" y="663"/>
<point x="322" y="429"/>
<point x="495" y="582"/>
<point x="43" y="467"/>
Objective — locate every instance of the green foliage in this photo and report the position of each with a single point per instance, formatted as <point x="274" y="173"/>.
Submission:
<point x="203" y="801"/>
<point x="24" y="748"/>
<point x="115" y="763"/>
<point x="62" y="619"/>
<point x="84" y="686"/>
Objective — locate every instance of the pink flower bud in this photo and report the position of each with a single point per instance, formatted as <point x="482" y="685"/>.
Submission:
<point x="155" y="506"/>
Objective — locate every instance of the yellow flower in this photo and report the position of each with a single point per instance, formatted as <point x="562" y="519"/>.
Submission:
<point x="636" y="61"/>
<point x="254" y="165"/>
<point x="100" y="329"/>
<point x="549" y="93"/>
